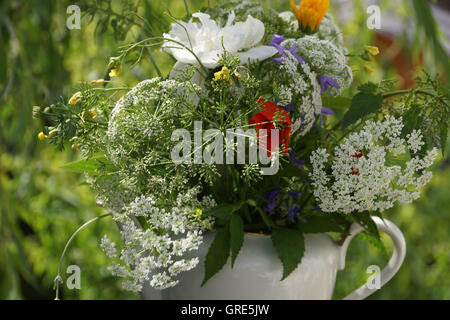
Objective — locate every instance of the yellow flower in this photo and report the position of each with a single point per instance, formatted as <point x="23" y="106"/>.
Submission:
<point x="310" y="14"/>
<point x="93" y="113"/>
<point x="98" y="81"/>
<point x="42" y="136"/>
<point x="373" y="51"/>
<point x="75" y="146"/>
<point x="75" y="98"/>
<point x="237" y="74"/>
<point x="223" y="74"/>
<point x="369" y="68"/>
<point x="114" y="72"/>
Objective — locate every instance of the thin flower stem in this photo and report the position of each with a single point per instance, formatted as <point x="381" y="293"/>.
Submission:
<point x="58" y="279"/>
<point x="187" y="8"/>
<point x="152" y="59"/>
<point x="400" y="92"/>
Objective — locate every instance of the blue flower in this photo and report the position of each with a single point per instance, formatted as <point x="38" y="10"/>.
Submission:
<point x="276" y="39"/>
<point x="293" y="212"/>
<point x="271" y="198"/>
<point x="299" y="163"/>
<point x="288" y="108"/>
<point x="295" y="195"/>
<point x="326" y="112"/>
<point x="327" y="81"/>
<point x="276" y="42"/>
<point x="293" y="51"/>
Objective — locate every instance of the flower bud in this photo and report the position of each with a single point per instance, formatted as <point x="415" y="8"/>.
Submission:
<point x="75" y="98"/>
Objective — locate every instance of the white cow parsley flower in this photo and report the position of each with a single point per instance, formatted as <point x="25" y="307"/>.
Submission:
<point x="289" y="17"/>
<point x="209" y="41"/>
<point x="157" y="254"/>
<point x="363" y="174"/>
<point x="108" y="247"/>
<point x="303" y="85"/>
<point x="326" y="58"/>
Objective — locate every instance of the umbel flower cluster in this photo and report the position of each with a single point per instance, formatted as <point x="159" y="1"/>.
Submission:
<point x="258" y="89"/>
<point x="361" y="177"/>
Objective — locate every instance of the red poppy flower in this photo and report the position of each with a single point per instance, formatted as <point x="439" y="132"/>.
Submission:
<point x="270" y="113"/>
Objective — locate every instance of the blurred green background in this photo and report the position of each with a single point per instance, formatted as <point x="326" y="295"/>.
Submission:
<point x="41" y="205"/>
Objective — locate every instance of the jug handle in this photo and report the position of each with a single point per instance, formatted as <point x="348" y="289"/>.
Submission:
<point x="394" y="263"/>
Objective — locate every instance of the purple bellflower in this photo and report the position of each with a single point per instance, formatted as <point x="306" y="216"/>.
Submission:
<point x="326" y="82"/>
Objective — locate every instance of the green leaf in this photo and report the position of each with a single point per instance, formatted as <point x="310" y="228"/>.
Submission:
<point x="290" y="246"/>
<point x="217" y="254"/>
<point x="320" y="223"/>
<point x="363" y="104"/>
<point x="266" y="218"/>
<point x="236" y="236"/>
<point x="92" y="165"/>
<point x="223" y="210"/>
<point x="291" y="170"/>
<point x="365" y="220"/>
<point x="368" y="87"/>
<point x="411" y="120"/>
<point x="374" y="241"/>
<point x="336" y="102"/>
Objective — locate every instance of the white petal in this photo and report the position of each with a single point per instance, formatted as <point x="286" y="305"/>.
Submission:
<point x="183" y="55"/>
<point x="257" y="54"/>
<point x="255" y="32"/>
<point x="231" y="18"/>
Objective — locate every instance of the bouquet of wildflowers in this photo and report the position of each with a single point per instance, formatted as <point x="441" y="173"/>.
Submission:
<point x="243" y="137"/>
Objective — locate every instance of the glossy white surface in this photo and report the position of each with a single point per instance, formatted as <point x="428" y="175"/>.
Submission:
<point x="257" y="271"/>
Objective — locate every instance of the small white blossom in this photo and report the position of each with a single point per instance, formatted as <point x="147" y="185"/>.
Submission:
<point x="108" y="247"/>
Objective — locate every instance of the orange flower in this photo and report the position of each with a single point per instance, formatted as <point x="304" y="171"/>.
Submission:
<point x="310" y="14"/>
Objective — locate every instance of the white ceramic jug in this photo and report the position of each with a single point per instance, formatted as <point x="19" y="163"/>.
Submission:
<point x="257" y="271"/>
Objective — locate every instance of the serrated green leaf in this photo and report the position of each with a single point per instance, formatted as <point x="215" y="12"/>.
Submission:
<point x="290" y="246"/>
<point x="411" y="120"/>
<point x="368" y="87"/>
<point x="374" y="241"/>
<point x="218" y="253"/>
<point x="223" y="210"/>
<point x="92" y="165"/>
<point x="319" y="224"/>
<point x="363" y="104"/>
<point x="236" y="236"/>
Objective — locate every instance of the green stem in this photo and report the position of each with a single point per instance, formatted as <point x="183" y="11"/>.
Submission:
<point x="58" y="278"/>
<point x="154" y="62"/>
<point x="400" y="92"/>
<point x="187" y="9"/>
